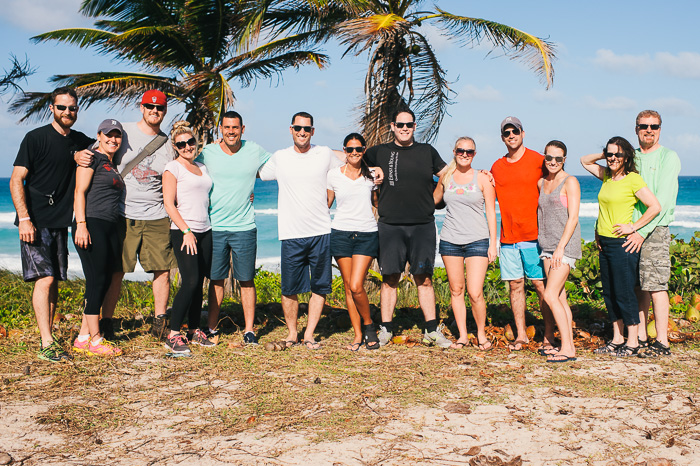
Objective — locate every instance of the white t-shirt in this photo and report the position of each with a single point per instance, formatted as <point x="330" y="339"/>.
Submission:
<point x="192" y="197"/>
<point x="302" y="203"/>
<point x="353" y="202"/>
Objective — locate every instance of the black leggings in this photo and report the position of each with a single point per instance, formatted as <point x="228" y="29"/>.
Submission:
<point x="100" y="260"/>
<point x="193" y="269"/>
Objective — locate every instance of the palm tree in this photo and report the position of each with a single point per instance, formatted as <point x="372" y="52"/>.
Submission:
<point x="189" y="49"/>
<point x="19" y="72"/>
<point x="403" y="69"/>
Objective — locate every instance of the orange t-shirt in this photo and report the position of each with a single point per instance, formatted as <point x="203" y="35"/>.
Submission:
<point x="516" y="189"/>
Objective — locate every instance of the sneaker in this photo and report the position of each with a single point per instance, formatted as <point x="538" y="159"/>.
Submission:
<point x="249" y="338"/>
<point x="103" y="348"/>
<point x="107" y="329"/>
<point x="158" y="327"/>
<point x="177" y="344"/>
<point x="212" y="335"/>
<point x="54" y="353"/>
<point x="199" y="338"/>
<point x="436" y="338"/>
<point x="81" y="346"/>
<point x="384" y="336"/>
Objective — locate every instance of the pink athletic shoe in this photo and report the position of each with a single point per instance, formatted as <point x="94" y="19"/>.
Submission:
<point x="103" y="348"/>
<point x="81" y="346"/>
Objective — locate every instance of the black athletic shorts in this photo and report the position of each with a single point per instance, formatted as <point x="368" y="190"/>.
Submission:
<point x="47" y="256"/>
<point x="414" y="244"/>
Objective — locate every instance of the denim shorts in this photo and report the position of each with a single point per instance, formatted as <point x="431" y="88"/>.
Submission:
<point x="240" y="247"/>
<point x="306" y="265"/>
<point x="354" y="243"/>
<point x="479" y="248"/>
<point x="520" y="260"/>
<point x="570" y="261"/>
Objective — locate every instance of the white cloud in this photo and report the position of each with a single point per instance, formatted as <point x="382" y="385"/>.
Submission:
<point x="43" y="15"/>
<point x="685" y="65"/>
<point x="673" y="106"/>
<point x="485" y="94"/>
<point x="613" y="103"/>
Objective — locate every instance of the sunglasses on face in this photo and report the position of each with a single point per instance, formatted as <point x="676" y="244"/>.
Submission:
<point x="653" y="127"/>
<point x="298" y="128"/>
<point x="557" y="159"/>
<point x="408" y="124"/>
<point x="159" y="108"/>
<point x="182" y="144"/>
<point x="618" y="155"/>
<point x="467" y="152"/>
<point x="508" y="132"/>
<point x="350" y="150"/>
<point x="62" y="108"/>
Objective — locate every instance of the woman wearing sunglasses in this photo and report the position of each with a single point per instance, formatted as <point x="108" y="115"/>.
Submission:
<point x="559" y="238"/>
<point x="186" y="186"/>
<point x="354" y="237"/>
<point x="619" y="269"/>
<point x="99" y="206"/>
<point x="467" y="239"/>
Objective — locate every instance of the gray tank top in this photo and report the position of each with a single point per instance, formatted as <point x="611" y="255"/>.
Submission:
<point x="552" y="216"/>
<point x="464" y="220"/>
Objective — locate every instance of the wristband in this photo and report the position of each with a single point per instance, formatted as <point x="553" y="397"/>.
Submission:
<point x="82" y="221"/>
<point x="24" y="219"/>
<point x="184" y="232"/>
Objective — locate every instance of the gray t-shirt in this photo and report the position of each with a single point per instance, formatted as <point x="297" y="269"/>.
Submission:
<point x="144" y="184"/>
<point x="464" y="220"/>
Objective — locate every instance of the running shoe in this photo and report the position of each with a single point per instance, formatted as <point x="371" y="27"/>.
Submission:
<point x="436" y="338"/>
<point x="158" y="329"/>
<point x="249" y="338"/>
<point x="81" y="346"/>
<point x="177" y="344"/>
<point x="199" y="338"/>
<point x="103" y="348"/>
<point x="54" y="353"/>
<point x="212" y="335"/>
<point x="384" y="336"/>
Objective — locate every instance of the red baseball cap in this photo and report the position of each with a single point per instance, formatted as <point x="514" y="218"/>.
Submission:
<point x="154" y="96"/>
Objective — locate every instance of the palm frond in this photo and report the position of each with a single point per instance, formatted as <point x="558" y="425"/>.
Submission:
<point x="249" y="70"/>
<point x="81" y="37"/>
<point x="538" y="54"/>
<point x="361" y="34"/>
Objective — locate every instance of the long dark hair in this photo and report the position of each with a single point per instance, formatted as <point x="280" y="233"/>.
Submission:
<point x="364" y="168"/>
<point x="629" y="166"/>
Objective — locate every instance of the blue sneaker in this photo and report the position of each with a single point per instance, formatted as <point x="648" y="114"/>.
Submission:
<point x="249" y="338"/>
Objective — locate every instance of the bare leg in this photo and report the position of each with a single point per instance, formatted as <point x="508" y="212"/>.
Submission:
<point x="161" y="291"/>
<point x="248" y="299"/>
<point x="93" y="324"/>
<point x="112" y="297"/>
<point x="216" y="297"/>
<point x="426" y="295"/>
<point x="662" y="307"/>
<point x="41" y="301"/>
<point x="315" y="309"/>
<point x="632" y="336"/>
<point x="617" y="332"/>
<point x="389" y="295"/>
<point x="454" y="266"/>
<point x="643" y="300"/>
<point x="517" y="303"/>
<point x="345" y="266"/>
<point x="360" y="265"/>
<point x="476" y="273"/>
<point x="555" y="296"/>
<point x="546" y="312"/>
<point x="290" y="307"/>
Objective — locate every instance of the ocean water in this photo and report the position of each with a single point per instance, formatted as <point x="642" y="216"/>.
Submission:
<point x="687" y="221"/>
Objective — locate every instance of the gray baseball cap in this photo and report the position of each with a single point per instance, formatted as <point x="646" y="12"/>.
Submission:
<point x="513" y="121"/>
<point x="108" y="125"/>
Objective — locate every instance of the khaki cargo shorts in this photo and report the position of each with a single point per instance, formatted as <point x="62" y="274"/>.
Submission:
<point x="655" y="260"/>
<point x="147" y="241"/>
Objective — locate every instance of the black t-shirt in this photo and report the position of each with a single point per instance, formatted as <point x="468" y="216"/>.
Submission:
<point x="49" y="185"/>
<point x="406" y="196"/>
<point x="105" y="196"/>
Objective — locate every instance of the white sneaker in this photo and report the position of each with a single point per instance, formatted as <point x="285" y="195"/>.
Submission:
<point x="437" y="338"/>
<point x="384" y="336"/>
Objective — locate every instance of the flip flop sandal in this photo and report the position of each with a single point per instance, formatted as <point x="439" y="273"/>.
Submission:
<point x="289" y="343"/>
<point x="354" y="347"/>
<point x="547" y="351"/>
<point x="488" y="348"/>
<point x="312" y="345"/>
<point x="514" y="346"/>
<point x="560" y="358"/>
<point x="459" y="344"/>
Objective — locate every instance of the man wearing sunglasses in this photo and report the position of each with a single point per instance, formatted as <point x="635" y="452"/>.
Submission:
<point x="659" y="167"/>
<point x="42" y="185"/>
<point x="146" y="231"/>
<point x="233" y="165"/>
<point x="516" y="175"/>
<point x="406" y="222"/>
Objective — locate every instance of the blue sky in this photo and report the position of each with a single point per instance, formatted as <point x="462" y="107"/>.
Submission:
<point x="614" y="59"/>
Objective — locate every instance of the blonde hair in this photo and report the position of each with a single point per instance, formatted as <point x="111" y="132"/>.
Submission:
<point x="182" y="127"/>
<point x="453" y="164"/>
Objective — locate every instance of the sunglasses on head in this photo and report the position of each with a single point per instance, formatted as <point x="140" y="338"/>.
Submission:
<point x="468" y="152"/>
<point x="160" y="108"/>
<point x="644" y="126"/>
<point x="507" y="132"/>
<point x="558" y="159"/>
<point x="298" y="128"/>
<point x="408" y="124"/>
<point x="350" y="150"/>
<point x="182" y="144"/>
<point x="71" y="108"/>
<point x="618" y="155"/>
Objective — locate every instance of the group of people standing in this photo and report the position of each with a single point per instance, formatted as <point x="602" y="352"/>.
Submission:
<point x="138" y="194"/>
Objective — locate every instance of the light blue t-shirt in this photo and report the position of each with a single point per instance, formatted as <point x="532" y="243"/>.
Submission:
<point x="233" y="178"/>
